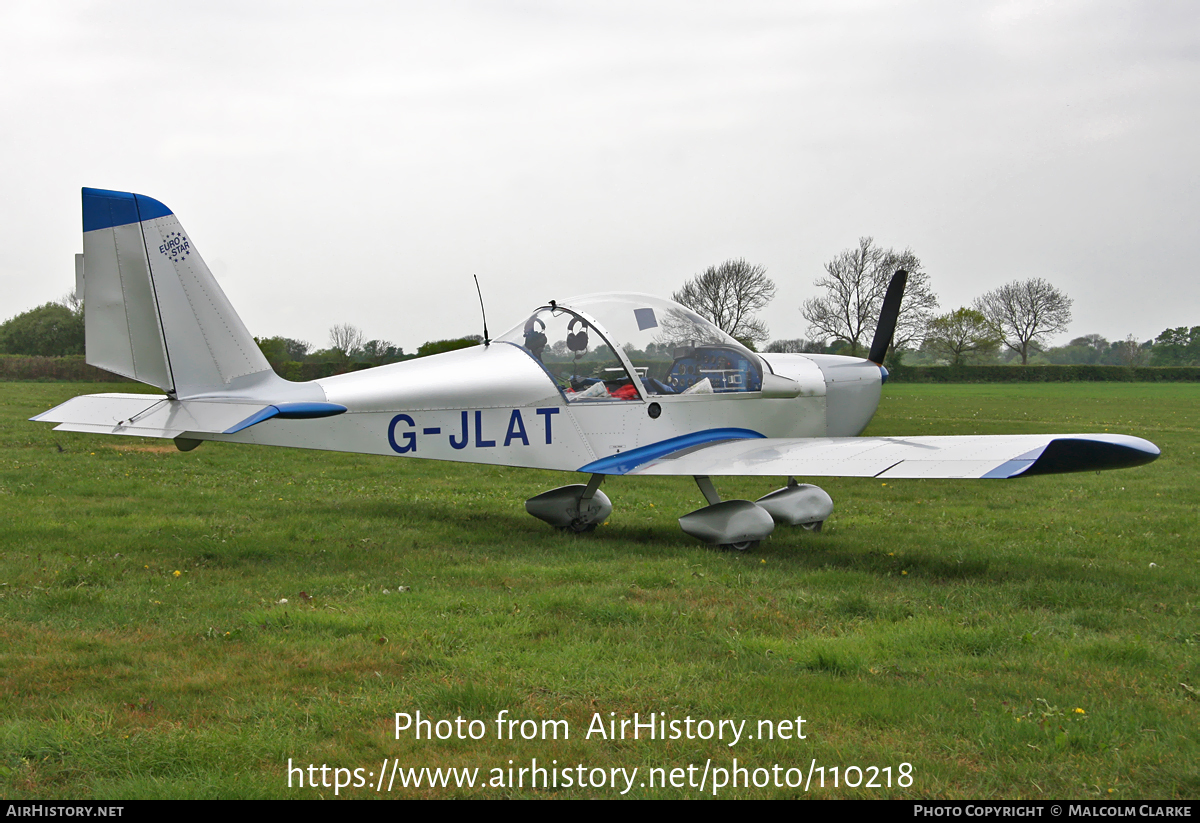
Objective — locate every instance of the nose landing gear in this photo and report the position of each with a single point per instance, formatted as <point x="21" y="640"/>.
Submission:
<point x="575" y="508"/>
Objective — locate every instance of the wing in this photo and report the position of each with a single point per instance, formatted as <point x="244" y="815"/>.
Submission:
<point x="984" y="456"/>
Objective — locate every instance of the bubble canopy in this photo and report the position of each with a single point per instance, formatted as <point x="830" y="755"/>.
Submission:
<point x="594" y="346"/>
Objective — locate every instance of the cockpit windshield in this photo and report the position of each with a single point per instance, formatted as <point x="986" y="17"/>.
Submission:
<point x="672" y="349"/>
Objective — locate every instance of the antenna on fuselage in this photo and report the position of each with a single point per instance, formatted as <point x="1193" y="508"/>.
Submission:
<point x="486" y="340"/>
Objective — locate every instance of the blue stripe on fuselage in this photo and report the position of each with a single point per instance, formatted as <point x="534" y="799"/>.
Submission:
<point x="627" y="461"/>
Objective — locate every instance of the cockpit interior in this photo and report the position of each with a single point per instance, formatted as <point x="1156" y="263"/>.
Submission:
<point x="628" y="346"/>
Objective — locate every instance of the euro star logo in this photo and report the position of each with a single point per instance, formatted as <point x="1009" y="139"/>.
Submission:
<point x="175" y="246"/>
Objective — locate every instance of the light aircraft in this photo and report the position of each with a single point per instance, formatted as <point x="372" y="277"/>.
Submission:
<point x="614" y="384"/>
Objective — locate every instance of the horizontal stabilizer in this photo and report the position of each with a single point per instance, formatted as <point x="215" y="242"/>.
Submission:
<point x="149" y="415"/>
<point x="984" y="456"/>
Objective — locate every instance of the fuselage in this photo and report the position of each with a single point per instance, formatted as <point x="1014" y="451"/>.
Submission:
<point x="498" y="404"/>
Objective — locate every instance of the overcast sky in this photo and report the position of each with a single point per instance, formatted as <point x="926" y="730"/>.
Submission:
<point x="358" y="162"/>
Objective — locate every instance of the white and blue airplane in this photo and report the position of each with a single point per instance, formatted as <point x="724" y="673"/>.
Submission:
<point x="613" y="384"/>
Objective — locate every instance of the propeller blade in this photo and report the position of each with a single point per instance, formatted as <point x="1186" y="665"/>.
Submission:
<point x="888" y="317"/>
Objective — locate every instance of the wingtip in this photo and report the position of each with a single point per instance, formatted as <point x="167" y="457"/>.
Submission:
<point x="1093" y="452"/>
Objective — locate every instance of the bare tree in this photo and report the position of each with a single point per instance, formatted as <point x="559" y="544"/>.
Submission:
<point x="345" y="338"/>
<point x="73" y="301"/>
<point x="729" y="295"/>
<point x="963" y="334"/>
<point x="855" y="282"/>
<point x="1129" y="352"/>
<point x="1026" y="312"/>
<point x="684" y="327"/>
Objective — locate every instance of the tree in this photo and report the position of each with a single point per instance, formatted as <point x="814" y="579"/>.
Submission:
<point x="272" y="349"/>
<point x="51" y="330"/>
<point x="961" y="335"/>
<point x="1088" y="350"/>
<point x="73" y="302"/>
<point x="296" y="349"/>
<point x="282" y="349"/>
<point x="797" y="345"/>
<point x="855" y="282"/>
<point x="1129" y="352"/>
<point x="1177" y="347"/>
<point x="345" y="338"/>
<point x="1026" y="313"/>
<point x="381" y="352"/>
<point x="442" y="346"/>
<point x="729" y="295"/>
<point x="1074" y="355"/>
<point x="1095" y="342"/>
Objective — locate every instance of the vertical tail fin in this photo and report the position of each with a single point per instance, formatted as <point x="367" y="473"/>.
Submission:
<point x="152" y="310"/>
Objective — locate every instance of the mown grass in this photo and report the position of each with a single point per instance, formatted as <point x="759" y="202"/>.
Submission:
<point x="146" y="651"/>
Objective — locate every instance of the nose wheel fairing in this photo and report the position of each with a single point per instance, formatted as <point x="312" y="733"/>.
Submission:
<point x="576" y="508"/>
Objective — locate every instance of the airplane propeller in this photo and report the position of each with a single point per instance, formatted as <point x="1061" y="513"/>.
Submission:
<point x="888" y="317"/>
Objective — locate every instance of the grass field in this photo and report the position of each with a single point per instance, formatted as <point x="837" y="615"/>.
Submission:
<point x="1005" y="639"/>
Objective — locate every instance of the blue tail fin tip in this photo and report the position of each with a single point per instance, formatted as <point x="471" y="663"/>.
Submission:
<point x="103" y="209"/>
